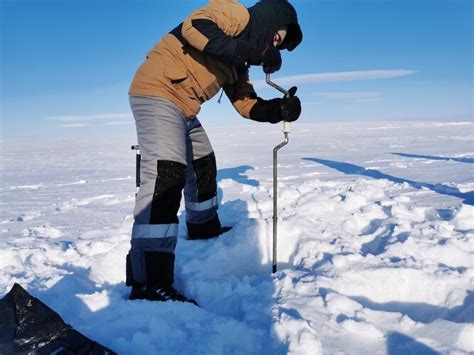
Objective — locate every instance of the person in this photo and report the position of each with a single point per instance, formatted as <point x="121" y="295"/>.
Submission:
<point x="211" y="49"/>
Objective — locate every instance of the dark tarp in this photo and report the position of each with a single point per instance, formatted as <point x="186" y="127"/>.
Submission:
<point x="27" y="325"/>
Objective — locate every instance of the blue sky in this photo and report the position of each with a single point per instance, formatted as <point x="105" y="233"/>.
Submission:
<point x="66" y="65"/>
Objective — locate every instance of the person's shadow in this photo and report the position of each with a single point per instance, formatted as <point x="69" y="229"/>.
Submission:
<point x="351" y="169"/>
<point x="237" y="174"/>
<point x="433" y="157"/>
<point x="398" y="343"/>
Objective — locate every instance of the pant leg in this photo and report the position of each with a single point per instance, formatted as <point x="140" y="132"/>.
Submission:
<point x="200" y="192"/>
<point x="161" y="132"/>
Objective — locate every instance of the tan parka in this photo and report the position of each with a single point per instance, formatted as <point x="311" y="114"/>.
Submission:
<point x="188" y="77"/>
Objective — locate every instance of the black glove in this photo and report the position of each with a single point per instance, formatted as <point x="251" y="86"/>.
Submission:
<point x="291" y="106"/>
<point x="277" y="110"/>
<point x="269" y="58"/>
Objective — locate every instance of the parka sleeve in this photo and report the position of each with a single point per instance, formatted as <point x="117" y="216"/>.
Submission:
<point x="242" y="95"/>
<point x="212" y="29"/>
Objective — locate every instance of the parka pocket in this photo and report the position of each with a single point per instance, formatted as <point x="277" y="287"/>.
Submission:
<point x="175" y="75"/>
<point x="184" y="88"/>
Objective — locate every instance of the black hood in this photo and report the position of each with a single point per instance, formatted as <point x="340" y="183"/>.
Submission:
<point x="267" y="16"/>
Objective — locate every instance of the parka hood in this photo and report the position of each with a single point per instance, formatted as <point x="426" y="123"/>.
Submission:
<point x="267" y="16"/>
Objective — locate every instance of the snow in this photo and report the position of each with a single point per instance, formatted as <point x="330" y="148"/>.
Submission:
<point x="375" y="242"/>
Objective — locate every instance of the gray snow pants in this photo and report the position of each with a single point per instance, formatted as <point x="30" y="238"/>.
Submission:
<point x="176" y="155"/>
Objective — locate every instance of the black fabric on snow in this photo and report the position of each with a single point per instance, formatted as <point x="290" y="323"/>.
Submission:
<point x="27" y="325"/>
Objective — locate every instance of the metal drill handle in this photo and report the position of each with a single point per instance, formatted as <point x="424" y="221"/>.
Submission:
<point x="286" y="124"/>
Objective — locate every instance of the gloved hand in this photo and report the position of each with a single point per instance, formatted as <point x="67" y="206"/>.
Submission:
<point x="277" y="110"/>
<point x="271" y="59"/>
<point x="291" y="106"/>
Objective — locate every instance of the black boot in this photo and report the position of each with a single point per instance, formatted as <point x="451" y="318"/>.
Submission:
<point x="206" y="230"/>
<point x="155" y="293"/>
<point x="159" y="268"/>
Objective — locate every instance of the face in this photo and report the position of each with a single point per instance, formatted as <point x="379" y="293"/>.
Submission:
<point x="279" y="36"/>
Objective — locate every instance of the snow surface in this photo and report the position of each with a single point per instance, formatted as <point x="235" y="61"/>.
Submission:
<point x="375" y="242"/>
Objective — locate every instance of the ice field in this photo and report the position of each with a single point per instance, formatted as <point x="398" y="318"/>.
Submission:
<point x="376" y="242"/>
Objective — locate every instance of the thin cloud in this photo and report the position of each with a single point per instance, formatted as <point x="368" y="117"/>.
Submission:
<point x="336" y="77"/>
<point x="90" y="118"/>
<point x="74" y="125"/>
<point x="375" y="99"/>
<point x="355" y="95"/>
<point x="118" y="123"/>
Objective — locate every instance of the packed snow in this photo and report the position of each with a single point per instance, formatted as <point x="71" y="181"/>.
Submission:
<point x="375" y="242"/>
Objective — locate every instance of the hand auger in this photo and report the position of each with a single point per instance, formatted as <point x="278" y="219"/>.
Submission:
<point x="286" y="131"/>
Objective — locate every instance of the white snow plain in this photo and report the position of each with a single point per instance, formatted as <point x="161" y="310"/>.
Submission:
<point x="375" y="242"/>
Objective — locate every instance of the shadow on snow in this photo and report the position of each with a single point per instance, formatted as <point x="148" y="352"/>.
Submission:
<point x="423" y="312"/>
<point x="237" y="174"/>
<point x="432" y="157"/>
<point x="398" y="343"/>
<point x="351" y="169"/>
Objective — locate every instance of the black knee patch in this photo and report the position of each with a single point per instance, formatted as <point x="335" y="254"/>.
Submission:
<point x="170" y="180"/>
<point x="206" y="172"/>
